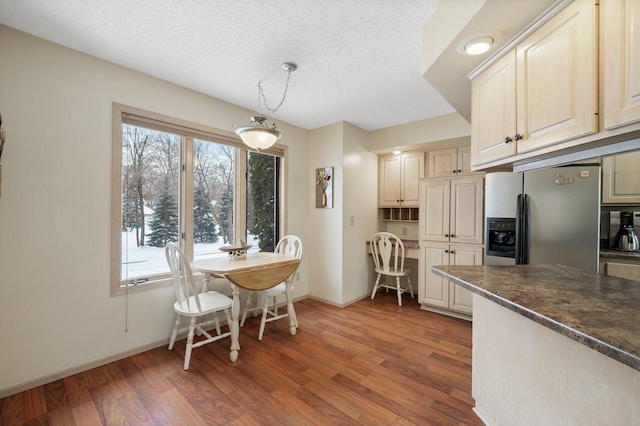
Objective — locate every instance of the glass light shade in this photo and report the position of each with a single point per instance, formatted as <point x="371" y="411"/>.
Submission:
<point x="257" y="135"/>
<point x="478" y="46"/>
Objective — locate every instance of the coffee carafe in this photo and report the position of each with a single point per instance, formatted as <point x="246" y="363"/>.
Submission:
<point x="626" y="238"/>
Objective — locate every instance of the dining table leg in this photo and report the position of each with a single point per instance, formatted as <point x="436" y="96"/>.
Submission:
<point x="293" y="321"/>
<point x="235" y="326"/>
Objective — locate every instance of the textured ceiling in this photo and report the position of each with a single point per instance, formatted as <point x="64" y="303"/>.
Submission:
<point x="359" y="60"/>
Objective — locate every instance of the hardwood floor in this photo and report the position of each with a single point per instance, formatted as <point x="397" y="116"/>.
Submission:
<point x="372" y="363"/>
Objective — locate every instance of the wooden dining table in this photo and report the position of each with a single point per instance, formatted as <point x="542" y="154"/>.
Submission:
<point x="253" y="271"/>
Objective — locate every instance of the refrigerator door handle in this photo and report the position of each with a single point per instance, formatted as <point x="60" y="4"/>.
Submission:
<point x="519" y="230"/>
<point x="525" y="229"/>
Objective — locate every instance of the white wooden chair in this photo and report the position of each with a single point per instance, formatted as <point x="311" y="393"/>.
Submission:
<point x="291" y="245"/>
<point x="388" y="256"/>
<point x="194" y="305"/>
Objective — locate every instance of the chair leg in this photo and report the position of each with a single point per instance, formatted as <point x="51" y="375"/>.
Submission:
<point x="410" y="286"/>
<point x="187" y="352"/>
<point x="399" y="291"/>
<point x="375" y="287"/>
<point x="174" y="332"/>
<point x="217" y="323"/>
<point x="263" y="320"/>
<point x="246" y="308"/>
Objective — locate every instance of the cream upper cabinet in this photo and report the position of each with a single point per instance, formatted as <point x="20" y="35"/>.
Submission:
<point x="449" y="161"/>
<point x="541" y="93"/>
<point x="556" y="79"/>
<point x="399" y="177"/>
<point x="452" y="210"/>
<point x="621" y="179"/>
<point x="620" y="62"/>
<point x="493" y="111"/>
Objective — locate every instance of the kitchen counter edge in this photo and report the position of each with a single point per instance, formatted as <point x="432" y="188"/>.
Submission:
<point x="601" y="345"/>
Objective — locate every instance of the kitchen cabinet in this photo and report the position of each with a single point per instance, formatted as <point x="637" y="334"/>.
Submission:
<point x="620" y="62"/>
<point x="437" y="292"/>
<point x="493" y="111"/>
<point x="451" y="210"/>
<point x="621" y="179"/>
<point x="451" y="233"/>
<point x="542" y="92"/>
<point x="399" y="177"/>
<point x="449" y="161"/>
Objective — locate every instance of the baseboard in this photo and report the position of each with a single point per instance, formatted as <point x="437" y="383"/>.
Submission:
<point x="338" y="305"/>
<point x="446" y="312"/>
<point x="182" y="334"/>
<point x="80" y="368"/>
<point x="102" y="361"/>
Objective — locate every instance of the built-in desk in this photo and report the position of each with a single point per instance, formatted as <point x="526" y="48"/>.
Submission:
<point x="411" y="249"/>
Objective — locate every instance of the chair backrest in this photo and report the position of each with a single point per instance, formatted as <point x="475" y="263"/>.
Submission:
<point x="388" y="252"/>
<point x="291" y="245"/>
<point x="182" y="276"/>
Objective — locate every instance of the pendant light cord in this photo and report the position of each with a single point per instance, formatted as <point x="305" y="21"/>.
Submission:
<point x="284" y="94"/>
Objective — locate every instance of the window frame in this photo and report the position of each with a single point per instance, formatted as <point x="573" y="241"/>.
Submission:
<point x="188" y="131"/>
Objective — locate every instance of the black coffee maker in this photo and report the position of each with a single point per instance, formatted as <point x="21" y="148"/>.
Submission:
<point x="626" y="238"/>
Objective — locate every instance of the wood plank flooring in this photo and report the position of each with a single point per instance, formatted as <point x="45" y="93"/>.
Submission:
<point x="372" y="363"/>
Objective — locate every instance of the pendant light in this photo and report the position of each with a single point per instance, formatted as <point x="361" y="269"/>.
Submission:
<point x="257" y="134"/>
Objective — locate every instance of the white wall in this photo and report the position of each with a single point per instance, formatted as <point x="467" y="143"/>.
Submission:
<point x="56" y="311"/>
<point x="325" y="225"/>
<point x="341" y="268"/>
<point x="360" y="203"/>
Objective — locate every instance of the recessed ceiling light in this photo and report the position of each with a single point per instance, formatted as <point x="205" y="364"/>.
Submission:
<point x="397" y="151"/>
<point x="478" y="43"/>
<point x="478" y="46"/>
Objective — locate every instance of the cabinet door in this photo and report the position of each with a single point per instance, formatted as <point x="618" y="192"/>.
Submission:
<point x="433" y="289"/>
<point x="466" y="225"/>
<point x="556" y="81"/>
<point x="389" y="181"/>
<point x="464" y="159"/>
<point x="620" y="62"/>
<point x="621" y="179"/>
<point x="412" y="169"/>
<point x="461" y="299"/>
<point x="434" y="210"/>
<point x="443" y="162"/>
<point x="493" y="111"/>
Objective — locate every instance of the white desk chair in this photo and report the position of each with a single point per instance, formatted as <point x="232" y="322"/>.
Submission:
<point x="388" y="256"/>
<point x="194" y="305"/>
<point x="291" y="245"/>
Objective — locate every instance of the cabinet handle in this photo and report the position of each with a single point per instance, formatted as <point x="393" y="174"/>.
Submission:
<point x="459" y="171"/>
<point x="446" y="251"/>
<point x="452" y="252"/>
<point x="518" y="137"/>
<point x="454" y="172"/>
<point x="508" y="139"/>
<point x="453" y="236"/>
<point x="446" y="235"/>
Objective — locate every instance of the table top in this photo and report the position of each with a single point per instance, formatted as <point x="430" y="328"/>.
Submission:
<point x="598" y="311"/>
<point x="255" y="271"/>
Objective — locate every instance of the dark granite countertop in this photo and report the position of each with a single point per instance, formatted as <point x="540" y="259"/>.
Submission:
<point x="620" y="254"/>
<point x="598" y="311"/>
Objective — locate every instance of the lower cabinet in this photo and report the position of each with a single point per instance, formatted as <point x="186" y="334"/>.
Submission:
<point x="439" y="294"/>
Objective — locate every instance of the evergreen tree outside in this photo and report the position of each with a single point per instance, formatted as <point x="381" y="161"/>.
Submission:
<point x="204" y="226"/>
<point x="225" y="214"/>
<point x="261" y="203"/>
<point x="164" y="224"/>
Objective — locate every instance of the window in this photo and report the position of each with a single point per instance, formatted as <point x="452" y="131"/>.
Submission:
<point x="175" y="181"/>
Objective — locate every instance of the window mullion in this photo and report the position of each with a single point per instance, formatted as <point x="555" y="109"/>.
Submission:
<point x="186" y="197"/>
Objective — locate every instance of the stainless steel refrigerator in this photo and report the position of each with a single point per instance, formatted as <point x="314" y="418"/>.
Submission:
<point x="549" y="216"/>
